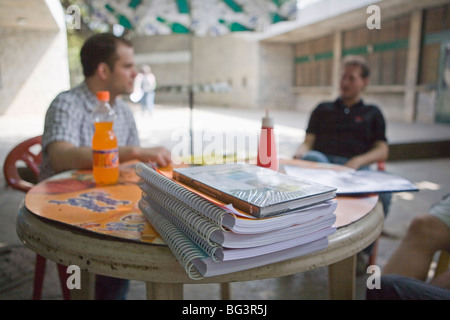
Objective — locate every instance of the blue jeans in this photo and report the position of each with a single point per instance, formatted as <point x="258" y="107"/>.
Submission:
<point x="148" y="101"/>
<point x="318" y="156"/>
<point x="109" y="288"/>
<point x="396" y="287"/>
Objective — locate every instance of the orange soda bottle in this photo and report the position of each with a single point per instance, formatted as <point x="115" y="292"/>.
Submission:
<point x="104" y="143"/>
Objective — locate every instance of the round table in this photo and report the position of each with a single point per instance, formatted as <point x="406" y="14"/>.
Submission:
<point x="96" y="253"/>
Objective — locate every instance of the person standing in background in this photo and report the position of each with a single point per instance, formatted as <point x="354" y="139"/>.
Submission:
<point x="144" y="92"/>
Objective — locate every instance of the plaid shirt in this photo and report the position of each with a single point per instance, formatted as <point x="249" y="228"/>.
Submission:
<point x="69" y="118"/>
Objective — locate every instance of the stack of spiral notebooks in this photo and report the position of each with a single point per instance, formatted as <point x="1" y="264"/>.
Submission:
<point x="210" y="236"/>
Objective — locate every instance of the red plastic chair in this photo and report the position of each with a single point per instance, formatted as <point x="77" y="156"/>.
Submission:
<point x="22" y="153"/>
<point x="25" y="153"/>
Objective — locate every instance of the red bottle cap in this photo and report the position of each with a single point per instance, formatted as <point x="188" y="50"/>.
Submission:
<point x="103" y="95"/>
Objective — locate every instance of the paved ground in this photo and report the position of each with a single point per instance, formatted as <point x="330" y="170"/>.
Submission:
<point x="168" y="126"/>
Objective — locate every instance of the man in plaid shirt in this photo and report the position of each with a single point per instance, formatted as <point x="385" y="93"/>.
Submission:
<point x="108" y="65"/>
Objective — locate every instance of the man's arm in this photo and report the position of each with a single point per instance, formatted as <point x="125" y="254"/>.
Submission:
<point x="379" y="152"/>
<point x="65" y="156"/>
<point x="306" y="146"/>
<point x="160" y="155"/>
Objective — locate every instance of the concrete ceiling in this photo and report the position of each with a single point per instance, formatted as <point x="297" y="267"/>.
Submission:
<point x="26" y="14"/>
<point x="296" y="31"/>
<point x="36" y="14"/>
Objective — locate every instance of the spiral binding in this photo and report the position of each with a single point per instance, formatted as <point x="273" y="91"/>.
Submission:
<point x="212" y="249"/>
<point x="194" y="201"/>
<point x="182" y="247"/>
<point x="193" y="220"/>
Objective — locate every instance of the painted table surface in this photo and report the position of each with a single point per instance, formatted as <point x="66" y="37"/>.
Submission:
<point x="70" y="220"/>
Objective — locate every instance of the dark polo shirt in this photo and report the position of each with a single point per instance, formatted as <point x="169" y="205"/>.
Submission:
<point x="346" y="132"/>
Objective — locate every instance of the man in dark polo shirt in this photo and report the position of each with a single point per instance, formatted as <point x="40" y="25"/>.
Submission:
<point x="348" y="131"/>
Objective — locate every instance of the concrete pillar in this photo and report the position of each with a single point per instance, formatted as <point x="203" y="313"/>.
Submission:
<point x="337" y="61"/>
<point x="412" y="65"/>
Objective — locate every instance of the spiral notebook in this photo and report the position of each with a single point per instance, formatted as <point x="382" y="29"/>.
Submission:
<point x="193" y="227"/>
<point x="196" y="215"/>
<point x="217" y="237"/>
<point x="249" y="245"/>
<point x="200" y="263"/>
<point x="225" y="215"/>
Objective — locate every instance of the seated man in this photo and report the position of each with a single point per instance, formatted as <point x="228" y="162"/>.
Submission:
<point x="108" y="65"/>
<point x="405" y="273"/>
<point x="347" y="131"/>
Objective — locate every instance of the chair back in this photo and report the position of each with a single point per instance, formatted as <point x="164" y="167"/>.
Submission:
<point x="24" y="152"/>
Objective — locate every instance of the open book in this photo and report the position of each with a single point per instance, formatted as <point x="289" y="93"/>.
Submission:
<point x="354" y="181"/>
<point x="258" y="191"/>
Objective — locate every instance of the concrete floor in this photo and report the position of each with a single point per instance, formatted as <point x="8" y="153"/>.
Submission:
<point x="166" y="126"/>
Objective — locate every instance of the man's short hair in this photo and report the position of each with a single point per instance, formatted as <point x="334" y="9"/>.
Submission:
<point x="359" y="62"/>
<point x="100" y="48"/>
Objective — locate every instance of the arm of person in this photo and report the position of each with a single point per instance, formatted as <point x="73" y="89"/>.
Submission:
<point x="306" y="146"/>
<point x="379" y="152"/>
<point x="443" y="280"/>
<point x="65" y="156"/>
<point x="160" y="155"/>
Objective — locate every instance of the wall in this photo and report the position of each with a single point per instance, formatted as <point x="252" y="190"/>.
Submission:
<point x="276" y="76"/>
<point x="256" y="75"/>
<point x="34" y="69"/>
<point x="404" y="57"/>
<point x="230" y="60"/>
<point x="33" y="56"/>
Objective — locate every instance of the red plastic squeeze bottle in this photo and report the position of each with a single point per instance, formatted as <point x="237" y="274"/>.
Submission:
<point x="104" y="143"/>
<point x="267" y="150"/>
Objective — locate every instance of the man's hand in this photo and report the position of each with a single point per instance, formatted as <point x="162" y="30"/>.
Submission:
<point x="306" y="146"/>
<point x="160" y="155"/>
<point x="354" y="163"/>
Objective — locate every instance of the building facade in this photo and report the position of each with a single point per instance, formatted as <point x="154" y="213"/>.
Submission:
<point x="296" y="65"/>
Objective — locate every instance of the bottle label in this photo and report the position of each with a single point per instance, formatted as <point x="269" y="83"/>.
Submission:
<point x="106" y="158"/>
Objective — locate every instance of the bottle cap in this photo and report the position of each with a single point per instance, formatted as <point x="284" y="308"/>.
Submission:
<point x="267" y="121"/>
<point x="103" y="95"/>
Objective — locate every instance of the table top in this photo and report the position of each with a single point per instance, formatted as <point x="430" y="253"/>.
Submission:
<point x="73" y="198"/>
<point x="70" y="220"/>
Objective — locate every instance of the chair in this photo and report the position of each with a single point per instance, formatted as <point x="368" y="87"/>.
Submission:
<point x="381" y="166"/>
<point x="13" y="169"/>
<point x="23" y="152"/>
